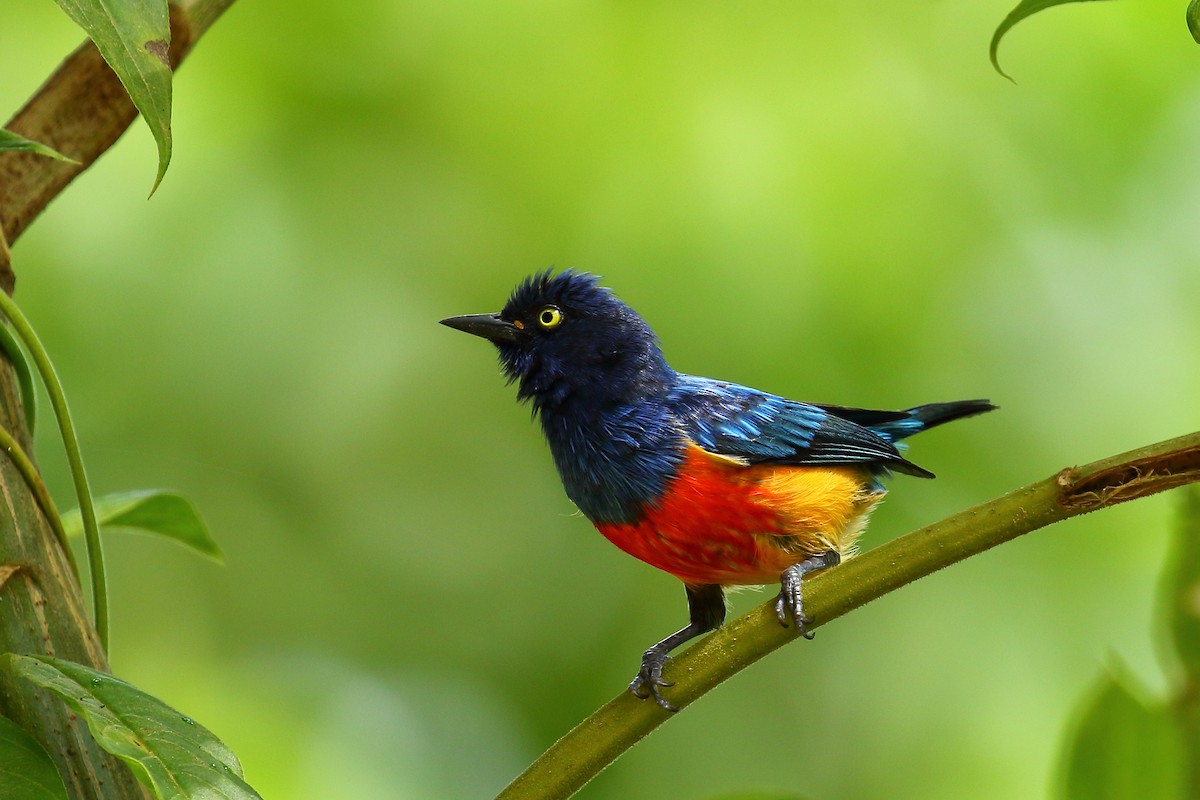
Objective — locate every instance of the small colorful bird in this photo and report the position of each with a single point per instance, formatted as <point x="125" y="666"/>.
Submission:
<point x="717" y="484"/>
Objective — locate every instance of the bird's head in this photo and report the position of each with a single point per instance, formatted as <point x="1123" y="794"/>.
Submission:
<point x="567" y="340"/>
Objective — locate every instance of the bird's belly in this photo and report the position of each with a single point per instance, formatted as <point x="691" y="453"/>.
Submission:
<point x="722" y="522"/>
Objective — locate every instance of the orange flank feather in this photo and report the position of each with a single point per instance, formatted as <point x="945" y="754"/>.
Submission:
<point x="723" y="522"/>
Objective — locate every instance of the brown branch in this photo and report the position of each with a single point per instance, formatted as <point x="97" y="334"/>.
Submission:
<point x="80" y="111"/>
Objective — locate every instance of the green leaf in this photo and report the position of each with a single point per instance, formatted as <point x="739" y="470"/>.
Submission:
<point x="133" y="36"/>
<point x="171" y="754"/>
<point x="153" y="510"/>
<point x="1123" y="747"/>
<point x="10" y="141"/>
<point x="26" y="770"/>
<point x="1025" y="8"/>
<point x="1193" y="19"/>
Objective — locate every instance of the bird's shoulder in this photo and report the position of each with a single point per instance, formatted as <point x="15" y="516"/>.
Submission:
<point x="738" y="420"/>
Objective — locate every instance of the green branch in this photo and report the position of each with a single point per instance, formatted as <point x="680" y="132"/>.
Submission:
<point x="58" y="401"/>
<point x="33" y="480"/>
<point x="601" y="738"/>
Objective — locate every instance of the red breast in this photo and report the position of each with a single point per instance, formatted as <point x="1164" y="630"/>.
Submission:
<point x="723" y="522"/>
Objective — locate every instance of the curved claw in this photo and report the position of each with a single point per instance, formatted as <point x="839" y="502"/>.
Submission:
<point x="790" y="605"/>
<point x="649" y="679"/>
<point x="706" y="609"/>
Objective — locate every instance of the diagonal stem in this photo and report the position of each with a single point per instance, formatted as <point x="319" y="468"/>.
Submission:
<point x="597" y="741"/>
<point x="81" y="111"/>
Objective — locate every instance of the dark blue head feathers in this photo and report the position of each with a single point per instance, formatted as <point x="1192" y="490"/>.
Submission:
<point x="578" y="345"/>
<point x="599" y="384"/>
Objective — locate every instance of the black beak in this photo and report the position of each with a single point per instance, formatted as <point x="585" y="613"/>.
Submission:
<point x="489" y="326"/>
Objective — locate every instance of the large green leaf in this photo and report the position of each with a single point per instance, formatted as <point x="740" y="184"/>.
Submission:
<point x="10" y="141"/>
<point x="1122" y="748"/>
<point x="26" y="770"/>
<point x="153" y="510"/>
<point x="1024" y="9"/>
<point x="1193" y="19"/>
<point x="173" y="755"/>
<point x="133" y="36"/>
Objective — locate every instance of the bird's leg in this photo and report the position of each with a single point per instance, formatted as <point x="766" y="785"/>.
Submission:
<point x="790" y="606"/>
<point x="706" y="607"/>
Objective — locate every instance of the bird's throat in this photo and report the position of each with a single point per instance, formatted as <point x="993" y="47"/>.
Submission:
<point x="614" y="462"/>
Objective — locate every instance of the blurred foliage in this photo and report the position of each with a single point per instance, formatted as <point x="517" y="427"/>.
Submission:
<point x="1181" y="598"/>
<point x="1124" y="747"/>
<point x="1126" y="744"/>
<point x="837" y="202"/>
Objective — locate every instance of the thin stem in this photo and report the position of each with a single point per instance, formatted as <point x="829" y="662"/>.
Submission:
<point x="58" y="402"/>
<point x="5" y="255"/>
<point x="33" y="480"/>
<point x="601" y="738"/>
<point x="16" y="356"/>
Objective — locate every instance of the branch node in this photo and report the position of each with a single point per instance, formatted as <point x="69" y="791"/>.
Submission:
<point x="1067" y="476"/>
<point x="1129" y="481"/>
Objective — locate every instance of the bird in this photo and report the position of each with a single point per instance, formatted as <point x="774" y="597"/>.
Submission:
<point x="718" y="484"/>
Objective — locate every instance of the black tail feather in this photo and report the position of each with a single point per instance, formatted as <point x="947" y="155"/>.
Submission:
<point x="896" y="425"/>
<point x="922" y="418"/>
<point x="934" y="414"/>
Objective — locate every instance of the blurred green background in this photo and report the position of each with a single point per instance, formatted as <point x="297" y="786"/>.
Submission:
<point x="840" y="202"/>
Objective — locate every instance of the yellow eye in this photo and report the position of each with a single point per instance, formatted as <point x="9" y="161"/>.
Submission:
<point x="550" y="317"/>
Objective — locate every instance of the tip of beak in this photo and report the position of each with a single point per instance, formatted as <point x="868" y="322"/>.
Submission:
<point x="488" y="326"/>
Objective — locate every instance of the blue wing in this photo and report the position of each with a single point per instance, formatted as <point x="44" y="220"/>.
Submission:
<point x="745" y="423"/>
